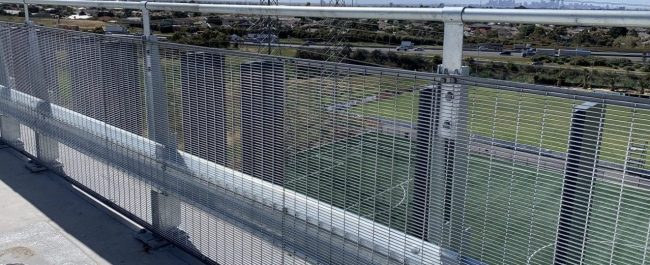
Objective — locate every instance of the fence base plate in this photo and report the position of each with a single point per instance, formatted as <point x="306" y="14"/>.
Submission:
<point x="35" y="167"/>
<point x="150" y="241"/>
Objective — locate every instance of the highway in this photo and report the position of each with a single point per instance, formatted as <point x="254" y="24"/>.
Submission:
<point x="635" y="57"/>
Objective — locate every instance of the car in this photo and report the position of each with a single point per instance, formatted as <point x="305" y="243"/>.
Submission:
<point x="506" y="53"/>
<point x="537" y="63"/>
<point x="307" y="43"/>
<point x="418" y="49"/>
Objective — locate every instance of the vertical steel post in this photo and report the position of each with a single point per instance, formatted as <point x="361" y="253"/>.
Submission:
<point x="10" y="132"/>
<point x="451" y="143"/>
<point x="47" y="149"/>
<point x="585" y="138"/>
<point x="441" y="147"/>
<point x="165" y="209"/>
<point x="146" y="21"/>
<point x="9" y="127"/>
<point x="26" y="6"/>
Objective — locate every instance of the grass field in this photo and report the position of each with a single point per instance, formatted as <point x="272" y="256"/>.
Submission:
<point x="535" y="120"/>
<point x="511" y="210"/>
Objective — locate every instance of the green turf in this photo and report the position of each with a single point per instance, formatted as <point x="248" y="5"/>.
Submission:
<point x="624" y="240"/>
<point x="401" y="107"/>
<point x="370" y="174"/>
<point x="511" y="210"/>
<point x="367" y="175"/>
<point x="535" y="120"/>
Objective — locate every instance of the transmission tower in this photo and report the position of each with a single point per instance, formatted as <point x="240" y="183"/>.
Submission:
<point x="269" y="24"/>
<point x="335" y="40"/>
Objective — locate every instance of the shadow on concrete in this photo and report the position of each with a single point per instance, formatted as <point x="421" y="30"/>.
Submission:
<point x="47" y="197"/>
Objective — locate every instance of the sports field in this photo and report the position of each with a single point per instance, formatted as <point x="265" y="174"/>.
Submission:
<point x="511" y="210"/>
<point x="535" y="120"/>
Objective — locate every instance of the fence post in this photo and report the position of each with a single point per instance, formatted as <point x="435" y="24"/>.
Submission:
<point x="9" y="127"/>
<point x="47" y="149"/>
<point x="165" y="209"/>
<point x="579" y="174"/>
<point x="26" y="6"/>
<point x="441" y="146"/>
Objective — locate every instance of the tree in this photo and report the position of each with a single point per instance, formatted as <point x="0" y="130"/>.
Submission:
<point x="525" y="31"/>
<point x="626" y="41"/>
<point x="644" y="83"/>
<point x="179" y="14"/>
<point x="586" y="79"/>
<point x="98" y="30"/>
<point x="214" y="21"/>
<point x="378" y="57"/>
<point x="616" y="32"/>
<point x="611" y="79"/>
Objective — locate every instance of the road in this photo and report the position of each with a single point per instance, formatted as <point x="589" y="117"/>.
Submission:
<point x="635" y="57"/>
<point x="550" y="160"/>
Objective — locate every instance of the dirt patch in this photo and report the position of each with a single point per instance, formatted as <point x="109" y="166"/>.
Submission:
<point x="16" y="253"/>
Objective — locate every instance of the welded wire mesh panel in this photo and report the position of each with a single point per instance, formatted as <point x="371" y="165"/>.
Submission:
<point x="313" y="128"/>
<point x="251" y="159"/>
<point x="555" y="177"/>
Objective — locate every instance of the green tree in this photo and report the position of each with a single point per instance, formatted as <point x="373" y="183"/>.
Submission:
<point x="612" y="79"/>
<point x="644" y="83"/>
<point x="616" y="32"/>
<point x="525" y="31"/>
<point x="626" y="41"/>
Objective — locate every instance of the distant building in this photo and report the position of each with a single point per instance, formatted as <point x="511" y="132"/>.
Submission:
<point x="405" y="46"/>
<point x="114" y="29"/>
<point x="479" y="27"/>
<point x="262" y="38"/>
<point x="134" y="20"/>
<point x="12" y="12"/>
<point x="235" y="38"/>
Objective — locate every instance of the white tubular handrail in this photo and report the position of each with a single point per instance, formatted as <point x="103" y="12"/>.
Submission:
<point x="610" y="18"/>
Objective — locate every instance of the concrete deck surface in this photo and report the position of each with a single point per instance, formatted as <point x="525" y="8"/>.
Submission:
<point x="45" y="220"/>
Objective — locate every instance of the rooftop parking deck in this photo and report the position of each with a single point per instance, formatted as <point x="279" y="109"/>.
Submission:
<point x="46" y="220"/>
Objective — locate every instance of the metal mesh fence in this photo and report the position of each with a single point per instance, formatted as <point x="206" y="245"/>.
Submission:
<point x="251" y="159"/>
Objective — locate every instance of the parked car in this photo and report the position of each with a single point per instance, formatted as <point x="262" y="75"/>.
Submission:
<point x="419" y="50"/>
<point x="506" y="53"/>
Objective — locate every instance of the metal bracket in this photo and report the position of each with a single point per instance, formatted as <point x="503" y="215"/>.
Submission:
<point x="35" y="166"/>
<point x="150" y="240"/>
<point x="452" y="14"/>
<point x="464" y="71"/>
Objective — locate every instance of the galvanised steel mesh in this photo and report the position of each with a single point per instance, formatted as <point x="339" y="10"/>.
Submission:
<point x="250" y="159"/>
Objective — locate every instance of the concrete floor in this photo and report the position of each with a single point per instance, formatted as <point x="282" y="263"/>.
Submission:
<point x="45" y="220"/>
